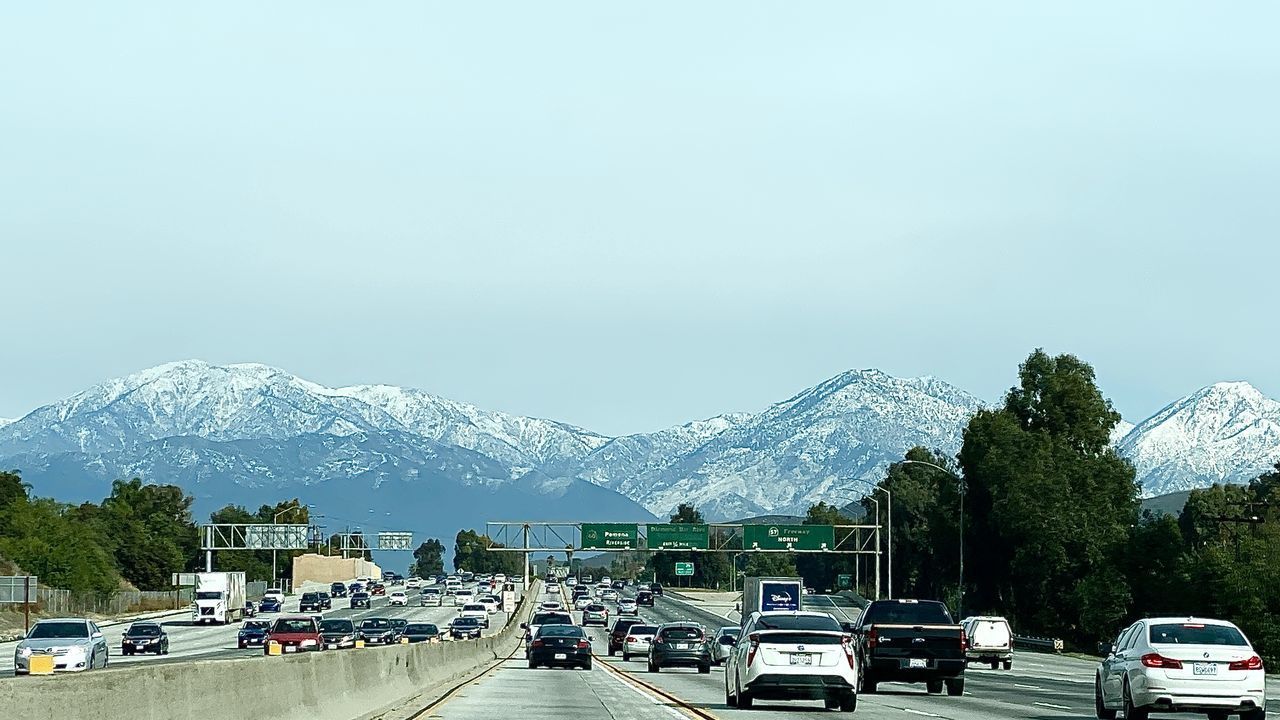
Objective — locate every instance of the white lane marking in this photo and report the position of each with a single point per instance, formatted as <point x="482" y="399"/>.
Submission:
<point x="920" y="712"/>
<point x="1051" y="705"/>
<point x="1027" y="687"/>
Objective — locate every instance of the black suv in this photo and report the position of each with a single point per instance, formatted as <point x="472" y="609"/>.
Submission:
<point x="656" y="588"/>
<point x="338" y="590"/>
<point x="359" y="600"/>
<point x="618" y="633"/>
<point x="644" y="597"/>
<point x="310" y="602"/>
<point x="326" y="599"/>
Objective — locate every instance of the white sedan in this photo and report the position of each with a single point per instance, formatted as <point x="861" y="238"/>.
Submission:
<point x="397" y="597"/>
<point x="1181" y="665"/>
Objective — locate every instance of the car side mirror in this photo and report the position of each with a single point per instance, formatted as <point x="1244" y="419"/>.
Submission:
<point x="524" y="626"/>
<point x="124" y="634"/>
<point x="96" y="636"/>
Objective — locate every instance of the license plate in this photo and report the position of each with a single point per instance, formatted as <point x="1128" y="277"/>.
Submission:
<point x="329" y="646"/>
<point x="682" y="646"/>
<point x="918" y="663"/>
<point x="289" y="648"/>
<point x="801" y="659"/>
<point x="562" y="656"/>
<point x="1203" y="668"/>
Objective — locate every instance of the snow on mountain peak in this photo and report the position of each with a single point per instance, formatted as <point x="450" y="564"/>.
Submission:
<point x="1226" y="432"/>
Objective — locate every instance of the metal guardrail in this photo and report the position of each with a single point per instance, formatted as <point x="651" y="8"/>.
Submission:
<point x="1029" y="642"/>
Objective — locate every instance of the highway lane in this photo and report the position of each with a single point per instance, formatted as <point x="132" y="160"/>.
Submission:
<point x="1040" y="686"/>
<point x="189" y="642"/>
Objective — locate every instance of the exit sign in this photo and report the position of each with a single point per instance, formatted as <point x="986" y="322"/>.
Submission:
<point x="683" y="568"/>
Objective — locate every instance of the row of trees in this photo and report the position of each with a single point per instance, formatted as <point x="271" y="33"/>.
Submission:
<point x="138" y="536"/>
<point x="471" y="553"/>
<point x="1053" y="533"/>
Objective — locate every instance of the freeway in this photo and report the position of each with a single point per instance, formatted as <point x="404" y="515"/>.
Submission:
<point x="189" y="642"/>
<point x="1039" y="687"/>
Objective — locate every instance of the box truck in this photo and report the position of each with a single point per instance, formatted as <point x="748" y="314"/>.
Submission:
<point x="765" y="594"/>
<point x="220" y="597"/>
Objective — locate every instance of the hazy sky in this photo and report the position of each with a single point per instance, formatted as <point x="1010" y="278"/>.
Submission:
<point x="629" y="218"/>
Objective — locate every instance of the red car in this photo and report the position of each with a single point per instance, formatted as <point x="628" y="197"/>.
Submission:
<point x="294" y="633"/>
<point x="378" y="589"/>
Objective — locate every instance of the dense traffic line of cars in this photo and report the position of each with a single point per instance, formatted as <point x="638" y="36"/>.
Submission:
<point x="76" y="644"/>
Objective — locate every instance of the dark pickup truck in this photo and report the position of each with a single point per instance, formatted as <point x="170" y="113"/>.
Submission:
<point x="909" y="641"/>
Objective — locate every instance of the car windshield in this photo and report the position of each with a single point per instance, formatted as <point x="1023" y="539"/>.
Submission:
<point x="1196" y="634"/>
<point x="360" y="596"/>
<point x="257" y="625"/>
<point x="732" y="632"/>
<point x="421" y="629"/>
<point x="59" y="630"/>
<point x="798" y="622"/>
<point x="643" y="629"/>
<point x="552" y="619"/>
<point x="145" y="631"/>
<point x="208" y="595"/>
<point x="375" y="624"/>
<point x="682" y="633"/>
<point x="274" y="591"/>
<point x="893" y="612"/>
<point x="466" y="621"/>
<point x="294" y="626"/>
<point x="309" y="596"/>
<point x="559" y="631"/>
<point x="336" y="626"/>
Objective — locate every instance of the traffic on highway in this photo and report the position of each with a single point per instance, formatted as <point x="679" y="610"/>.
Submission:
<point x="319" y="617"/>
<point x="826" y="655"/>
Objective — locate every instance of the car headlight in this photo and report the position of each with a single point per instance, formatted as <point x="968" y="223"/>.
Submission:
<point x="347" y="638"/>
<point x="308" y="643"/>
<point x="24" y="652"/>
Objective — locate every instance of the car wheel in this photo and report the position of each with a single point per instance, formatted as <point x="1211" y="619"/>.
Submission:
<point x="587" y="666"/>
<point x="955" y="687"/>
<point x="653" y="668"/>
<point x="1100" y="707"/>
<point x="533" y="665"/>
<point x="831" y="703"/>
<point x="704" y="669"/>
<point x="1218" y="715"/>
<point x="93" y="661"/>
<point x="1008" y="664"/>
<point x="1131" y="712"/>
<point x="849" y="703"/>
<point x="745" y="701"/>
<point x="626" y="656"/>
<point x="612" y="652"/>
<point x="126" y="652"/>
<point x="994" y="664"/>
<point x="933" y="686"/>
<point x="1254" y="714"/>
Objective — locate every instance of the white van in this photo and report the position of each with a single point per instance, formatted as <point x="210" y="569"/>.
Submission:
<point x="990" y="641"/>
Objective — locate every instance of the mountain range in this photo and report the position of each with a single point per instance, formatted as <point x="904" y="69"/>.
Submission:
<point x="381" y="456"/>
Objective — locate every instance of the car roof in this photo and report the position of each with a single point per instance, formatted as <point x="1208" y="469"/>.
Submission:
<point x="52" y="620"/>
<point x="1185" y="619"/>
<point x="791" y="613"/>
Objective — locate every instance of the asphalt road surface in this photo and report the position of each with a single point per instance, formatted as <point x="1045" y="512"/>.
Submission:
<point x="1039" y="687"/>
<point x="188" y="641"/>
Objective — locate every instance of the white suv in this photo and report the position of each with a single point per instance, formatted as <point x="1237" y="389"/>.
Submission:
<point x="792" y="656"/>
<point x="1181" y="665"/>
<point x="990" y="641"/>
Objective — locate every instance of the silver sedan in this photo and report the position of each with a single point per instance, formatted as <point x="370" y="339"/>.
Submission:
<point x="722" y="645"/>
<point x="74" y="644"/>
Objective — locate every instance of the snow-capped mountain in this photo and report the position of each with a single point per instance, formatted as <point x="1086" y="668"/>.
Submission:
<point x="1228" y="432"/>
<point x="6" y="421"/>
<point x="824" y="443"/>
<point x="230" y="432"/>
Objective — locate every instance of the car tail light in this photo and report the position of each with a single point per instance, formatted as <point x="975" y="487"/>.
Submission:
<point x="873" y="638"/>
<point x="1156" y="660"/>
<point x="632" y="638"/>
<point x="964" y="640"/>
<point x="754" y="638"/>
<point x="537" y="643"/>
<point x="583" y="644"/>
<point x="1253" y="663"/>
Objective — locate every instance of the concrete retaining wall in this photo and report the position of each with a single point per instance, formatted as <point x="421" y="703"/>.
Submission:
<point x="333" y="685"/>
<point x="327" y="569"/>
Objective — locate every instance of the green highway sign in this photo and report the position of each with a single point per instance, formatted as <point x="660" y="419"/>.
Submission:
<point x="609" y="536"/>
<point x="684" y="568"/>
<point x="788" y="537"/>
<point x="677" y="536"/>
<point x="844" y="582"/>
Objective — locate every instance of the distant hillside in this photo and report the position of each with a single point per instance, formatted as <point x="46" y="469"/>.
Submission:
<point x="1170" y="504"/>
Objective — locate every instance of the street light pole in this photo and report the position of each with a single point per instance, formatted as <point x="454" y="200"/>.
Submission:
<point x="959" y="484"/>
<point x="275" y="518"/>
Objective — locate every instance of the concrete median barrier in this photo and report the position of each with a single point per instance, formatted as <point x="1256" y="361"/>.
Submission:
<point x="311" y="686"/>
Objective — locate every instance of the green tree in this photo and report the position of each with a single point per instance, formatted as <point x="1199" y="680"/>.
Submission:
<point x="762" y="564"/>
<point x="925" y="529"/>
<point x="471" y="552"/>
<point x="12" y="489"/>
<point x="149" y="531"/>
<point x="1049" y="503"/>
<point x="44" y="539"/>
<point x="428" y="559"/>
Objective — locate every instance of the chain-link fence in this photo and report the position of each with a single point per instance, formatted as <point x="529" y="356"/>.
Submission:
<point x="56" y="601"/>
